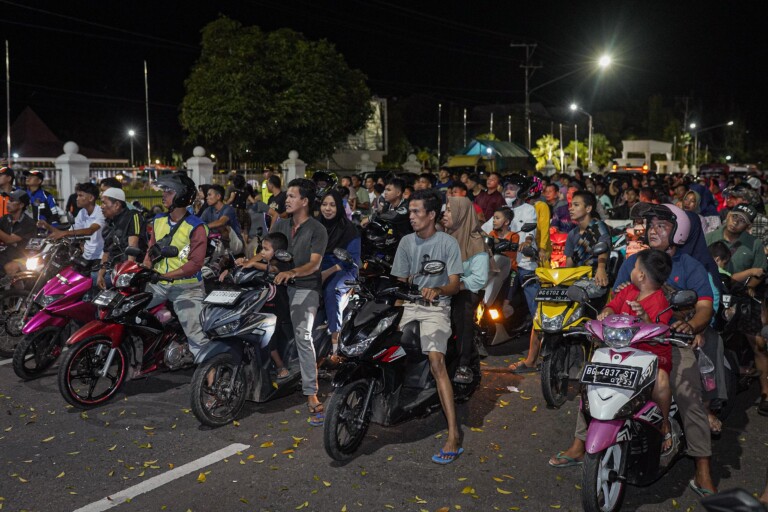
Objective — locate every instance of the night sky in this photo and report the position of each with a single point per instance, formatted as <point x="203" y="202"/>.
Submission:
<point x="79" y="65"/>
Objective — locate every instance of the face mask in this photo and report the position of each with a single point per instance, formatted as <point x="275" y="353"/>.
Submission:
<point x="510" y="201"/>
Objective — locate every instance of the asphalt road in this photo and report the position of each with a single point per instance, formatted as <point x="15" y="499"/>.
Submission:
<point x="146" y="451"/>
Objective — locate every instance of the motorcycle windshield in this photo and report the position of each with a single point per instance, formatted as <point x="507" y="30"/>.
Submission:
<point x="564" y="276"/>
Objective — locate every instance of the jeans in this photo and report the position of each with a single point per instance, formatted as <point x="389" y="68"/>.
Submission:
<point x="303" y="304"/>
<point x="335" y="298"/>
<point x="187" y="300"/>
<point x="530" y="291"/>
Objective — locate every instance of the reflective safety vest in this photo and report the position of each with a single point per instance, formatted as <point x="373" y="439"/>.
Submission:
<point x="180" y="240"/>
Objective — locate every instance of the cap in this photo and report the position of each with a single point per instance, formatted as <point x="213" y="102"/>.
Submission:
<point x="35" y="172"/>
<point x="20" y="195"/>
<point x="7" y="171"/>
<point x="114" y="193"/>
<point x="754" y="182"/>
<point x="739" y="190"/>
<point x="747" y="211"/>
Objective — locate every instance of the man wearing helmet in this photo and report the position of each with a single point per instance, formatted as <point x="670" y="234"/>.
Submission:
<point x="668" y="227"/>
<point x="189" y="234"/>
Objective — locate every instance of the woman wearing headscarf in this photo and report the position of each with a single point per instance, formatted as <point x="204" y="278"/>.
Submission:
<point x="461" y="222"/>
<point x="341" y="234"/>
<point x="691" y="202"/>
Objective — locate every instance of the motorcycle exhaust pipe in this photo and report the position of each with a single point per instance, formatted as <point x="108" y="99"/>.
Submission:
<point x="108" y="362"/>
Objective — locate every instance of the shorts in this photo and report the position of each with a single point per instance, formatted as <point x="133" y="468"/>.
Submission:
<point x="434" y="325"/>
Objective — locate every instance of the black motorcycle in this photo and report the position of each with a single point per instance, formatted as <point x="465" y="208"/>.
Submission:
<point x="236" y="365"/>
<point x="386" y="378"/>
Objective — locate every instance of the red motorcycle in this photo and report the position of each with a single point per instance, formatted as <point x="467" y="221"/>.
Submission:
<point x="126" y="341"/>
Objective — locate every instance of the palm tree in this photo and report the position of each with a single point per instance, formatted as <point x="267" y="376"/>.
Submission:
<point x="545" y="151"/>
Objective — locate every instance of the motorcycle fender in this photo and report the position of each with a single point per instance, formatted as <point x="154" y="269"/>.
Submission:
<point x="98" y="327"/>
<point x="41" y="320"/>
<point x="352" y="372"/>
<point x="214" y="348"/>
<point x="549" y="343"/>
<point x="602" y="434"/>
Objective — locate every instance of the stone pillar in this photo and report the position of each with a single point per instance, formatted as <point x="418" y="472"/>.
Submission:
<point x="201" y="167"/>
<point x="365" y="164"/>
<point x="75" y="168"/>
<point x="292" y="168"/>
<point x="412" y="164"/>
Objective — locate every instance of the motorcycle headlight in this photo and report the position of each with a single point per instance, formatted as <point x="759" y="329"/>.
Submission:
<point x="728" y="313"/>
<point x="34" y="263"/>
<point x="552" y="323"/>
<point x="46" y="300"/>
<point x="228" y="328"/>
<point x="618" y="337"/>
<point x="362" y="345"/>
<point x="122" y="281"/>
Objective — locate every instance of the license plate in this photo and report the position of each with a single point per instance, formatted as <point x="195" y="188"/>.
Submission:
<point x="105" y="298"/>
<point x="611" y="375"/>
<point x="223" y="297"/>
<point x="552" y="295"/>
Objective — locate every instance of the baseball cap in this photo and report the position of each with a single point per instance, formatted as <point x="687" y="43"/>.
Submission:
<point x="746" y="210"/>
<point x="114" y="193"/>
<point x="20" y="195"/>
<point x="754" y="182"/>
<point x="7" y="171"/>
<point x="35" y="172"/>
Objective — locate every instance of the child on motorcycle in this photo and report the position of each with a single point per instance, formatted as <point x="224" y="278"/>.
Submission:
<point x="502" y="218"/>
<point x="267" y="262"/>
<point x="644" y="298"/>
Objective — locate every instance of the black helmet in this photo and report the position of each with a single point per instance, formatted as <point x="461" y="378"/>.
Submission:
<point x="522" y="182"/>
<point x="180" y="183"/>
<point x="323" y="177"/>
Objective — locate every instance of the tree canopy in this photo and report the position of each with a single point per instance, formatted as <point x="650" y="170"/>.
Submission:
<point x="271" y="92"/>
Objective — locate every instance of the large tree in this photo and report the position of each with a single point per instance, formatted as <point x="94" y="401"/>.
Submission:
<point x="271" y="92"/>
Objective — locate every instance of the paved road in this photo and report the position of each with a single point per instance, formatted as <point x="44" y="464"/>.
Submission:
<point x="146" y="451"/>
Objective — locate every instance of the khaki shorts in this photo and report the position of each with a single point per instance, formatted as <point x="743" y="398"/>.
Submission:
<point x="434" y="325"/>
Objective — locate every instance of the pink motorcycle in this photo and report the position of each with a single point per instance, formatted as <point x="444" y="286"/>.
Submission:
<point x="624" y="437"/>
<point x="65" y="306"/>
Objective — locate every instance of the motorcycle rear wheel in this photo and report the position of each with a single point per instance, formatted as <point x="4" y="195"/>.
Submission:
<point x="218" y="405"/>
<point x="345" y="420"/>
<point x="602" y="487"/>
<point x="79" y="372"/>
<point x="554" y="375"/>
<point x="37" y="351"/>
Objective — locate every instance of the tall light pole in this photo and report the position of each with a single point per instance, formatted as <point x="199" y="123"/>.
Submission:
<point x="575" y="108"/>
<point x="693" y="126"/>
<point x="131" y="134"/>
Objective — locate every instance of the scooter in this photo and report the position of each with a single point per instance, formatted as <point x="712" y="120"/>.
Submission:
<point x="235" y="365"/>
<point x="386" y="378"/>
<point x="624" y="437"/>
<point x="126" y="341"/>
<point x="66" y="306"/>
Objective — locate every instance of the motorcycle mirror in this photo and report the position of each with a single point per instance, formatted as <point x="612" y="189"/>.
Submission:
<point x="283" y="255"/>
<point x="683" y="299"/>
<point x="134" y="251"/>
<point x="342" y="254"/>
<point x="169" y="251"/>
<point x="730" y="500"/>
<point x="577" y="294"/>
<point x="503" y="246"/>
<point x="528" y="227"/>
<point x="490" y="241"/>
<point x="600" y="248"/>
<point x="432" y="267"/>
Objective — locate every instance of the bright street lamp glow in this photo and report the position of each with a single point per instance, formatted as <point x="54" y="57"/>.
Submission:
<point x="605" y="61"/>
<point x="15" y="155"/>
<point x="131" y="133"/>
<point x="157" y="162"/>
<point x="728" y="158"/>
<point x="693" y="126"/>
<point x="729" y="123"/>
<point x="574" y="107"/>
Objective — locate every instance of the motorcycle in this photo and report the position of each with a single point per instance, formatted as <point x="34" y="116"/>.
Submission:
<point x="65" y="307"/>
<point x="386" y="378"/>
<point x="556" y="315"/>
<point x="235" y="365"/>
<point x="124" y="337"/>
<point x="624" y="437"/>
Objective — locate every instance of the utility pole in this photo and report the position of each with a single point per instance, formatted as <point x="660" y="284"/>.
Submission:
<point x="530" y="69"/>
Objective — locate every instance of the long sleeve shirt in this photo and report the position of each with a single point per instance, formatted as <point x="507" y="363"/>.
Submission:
<point x="476" y="270"/>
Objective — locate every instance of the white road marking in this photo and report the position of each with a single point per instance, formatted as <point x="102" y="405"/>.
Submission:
<point x="160" y="480"/>
<point x="6" y="361"/>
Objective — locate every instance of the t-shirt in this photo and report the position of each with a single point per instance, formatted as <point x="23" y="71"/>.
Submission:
<point x="577" y="244"/>
<point x="277" y="202"/>
<point x="489" y="202"/>
<point x="524" y="214"/>
<point x="211" y="215"/>
<point x="414" y="250"/>
<point x="687" y="274"/>
<point x="25" y="228"/>
<point x="310" y="238"/>
<point x="513" y="238"/>
<point x="117" y="231"/>
<point x="746" y="252"/>
<point x="94" y="246"/>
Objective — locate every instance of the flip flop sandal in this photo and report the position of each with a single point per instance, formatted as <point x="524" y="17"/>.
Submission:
<point x="570" y="461"/>
<point x="699" y="490"/>
<point x="521" y="367"/>
<point x="317" y="416"/>
<point x="446" y="457"/>
<point x="282" y="374"/>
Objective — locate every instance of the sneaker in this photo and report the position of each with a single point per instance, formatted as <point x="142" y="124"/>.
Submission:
<point x="463" y="375"/>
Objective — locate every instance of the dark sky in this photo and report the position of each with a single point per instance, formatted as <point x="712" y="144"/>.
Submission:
<point x="79" y="64"/>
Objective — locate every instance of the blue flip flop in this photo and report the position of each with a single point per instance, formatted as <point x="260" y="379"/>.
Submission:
<point x="451" y="456"/>
<point x="316" y="420"/>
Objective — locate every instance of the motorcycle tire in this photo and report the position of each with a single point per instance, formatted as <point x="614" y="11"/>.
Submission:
<point x="345" y="420"/>
<point x="12" y="307"/>
<point x="598" y="492"/>
<point x="81" y="364"/>
<point x="554" y="375"/>
<point x="217" y="405"/>
<point x="37" y="351"/>
<point x="731" y="385"/>
<point x="463" y="392"/>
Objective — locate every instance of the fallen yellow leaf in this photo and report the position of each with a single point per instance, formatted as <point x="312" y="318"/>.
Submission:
<point x="112" y="448"/>
<point x="327" y="484"/>
<point x="498" y="479"/>
<point x="48" y="439"/>
<point x="476" y="429"/>
<point x="303" y="505"/>
<point x="266" y="444"/>
<point x="502" y="491"/>
<point x="60" y="475"/>
<point x="201" y="478"/>
<point x="554" y="506"/>
<point x="468" y="490"/>
<point x="148" y="428"/>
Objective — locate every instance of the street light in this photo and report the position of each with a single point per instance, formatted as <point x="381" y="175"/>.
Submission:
<point x="575" y="108"/>
<point x="131" y="134"/>
<point x="696" y="138"/>
<point x="603" y="62"/>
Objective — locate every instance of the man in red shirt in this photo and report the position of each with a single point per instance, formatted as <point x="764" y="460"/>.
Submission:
<point x="491" y="199"/>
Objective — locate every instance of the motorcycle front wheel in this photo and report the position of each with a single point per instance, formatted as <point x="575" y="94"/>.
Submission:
<point x="80" y="380"/>
<point x="603" y="479"/>
<point x="217" y="399"/>
<point x="345" y="420"/>
<point x="13" y="305"/>
<point x="36" y="352"/>
<point x="554" y="375"/>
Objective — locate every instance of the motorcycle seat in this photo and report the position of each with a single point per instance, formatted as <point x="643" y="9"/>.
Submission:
<point x="411" y="337"/>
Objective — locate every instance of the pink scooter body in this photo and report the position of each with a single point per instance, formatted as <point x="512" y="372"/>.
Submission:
<point x="73" y="286"/>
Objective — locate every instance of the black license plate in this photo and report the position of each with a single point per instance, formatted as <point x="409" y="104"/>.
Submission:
<point x="552" y="295"/>
<point x="611" y="375"/>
